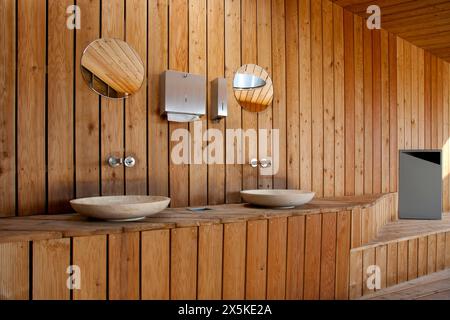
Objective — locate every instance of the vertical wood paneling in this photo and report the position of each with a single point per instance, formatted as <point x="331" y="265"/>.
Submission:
<point x="50" y="257"/>
<point x="276" y="259"/>
<point x="422" y="256"/>
<point x="178" y="61"/>
<point x="234" y="120"/>
<point x="183" y="262"/>
<point x="60" y="108"/>
<point x="313" y="228"/>
<point x="447" y="250"/>
<point x="295" y="258"/>
<point x="376" y="112"/>
<point x="249" y="119"/>
<point x="155" y="264"/>
<point x="328" y="257"/>
<point x="234" y="247"/>
<point x="317" y="97"/>
<point x="264" y="46"/>
<point x="402" y="259"/>
<point x="400" y="94"/>
<point x="440" y="251"/>
<point x="385" y="111"/>
<point x="342" y="254"/>
<point x="136" y="105"/>
<point x="210" y="249"/>
<point x="123" y="266"/>
<point x="392" y="264"/>
<point x="87" y="116"/>
<point x="368" y="260"/>
<point x="368" y="140"/>
<point x="431" y="256"/>
<point x="158" y="166"/>
<point x="328" y="98"/>
<point x="359" y="105"/>
<point x="256" y="267"/>
<point x="216" y="67"/>
<point x="279" y="82"/>
<point x="407" y="73"/>
<point x="89" y="253"/>
<point x="412" y="259"/>
<point x="112" y="111"/>
<point x="381" y="262"/>
<point x="349" y="72"/>
<point x="293" y="96"/>
<point x="393" y="140"/>
<point x="339" y="100"/>
<point x="31" y="108"/>
<point x="15" y="272"/>
<point x="305" y="94"/>
<point x="8" y="108"/>
<point x="356" y="274"/>
<point x="198" y="173"/>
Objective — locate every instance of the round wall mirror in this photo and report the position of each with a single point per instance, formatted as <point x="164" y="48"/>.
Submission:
<point x="112" y="68"/>
<point x="253" y="88"/>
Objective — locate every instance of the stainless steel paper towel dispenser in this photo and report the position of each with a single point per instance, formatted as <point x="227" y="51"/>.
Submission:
<point x="182" y="96"/>
<point x="219" y="99"/>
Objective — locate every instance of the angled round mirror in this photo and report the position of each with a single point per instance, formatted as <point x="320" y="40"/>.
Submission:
<point x="253" y="88"/>
<point x="112" y="68"/>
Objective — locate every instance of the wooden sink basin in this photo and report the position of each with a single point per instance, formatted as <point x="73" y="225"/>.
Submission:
<point x="120" y="208"/>
<point x="277" y="198"/>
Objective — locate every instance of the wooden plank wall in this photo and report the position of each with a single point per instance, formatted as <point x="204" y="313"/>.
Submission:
<point x="400" y="260"/>
<point x="282" y="257"/>
<point x="346" y="100"/>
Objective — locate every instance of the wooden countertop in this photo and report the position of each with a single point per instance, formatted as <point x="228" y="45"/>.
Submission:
<point x="72" y="225"/>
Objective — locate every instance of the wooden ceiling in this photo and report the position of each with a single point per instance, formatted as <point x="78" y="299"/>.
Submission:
<point x="425" y="23"/>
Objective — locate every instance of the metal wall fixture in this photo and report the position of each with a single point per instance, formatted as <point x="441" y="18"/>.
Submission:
<point x="264" y="163"/>
<point x="115" y="162"/>
<point x="182" y="96"/>
<point x="219" y="107"/>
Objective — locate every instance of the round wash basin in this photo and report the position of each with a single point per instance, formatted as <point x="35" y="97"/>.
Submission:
<point x="120" y="208"/>
<point x="277" y="198"/>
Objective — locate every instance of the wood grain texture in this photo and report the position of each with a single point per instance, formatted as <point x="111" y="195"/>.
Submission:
<point x="158" y="168"/>
<point x="295" y="258"/>
<point x="216" y="66"/>
<point x="210" y="261"/>
<point x="293" y="96"/>
<point x="50" y="257"/>
<point x="313" y="229"/>
<point x="328" y="257"/>
<point x="89" y="253"/>
<point x="136" y="106"/>
<point x="31" y="70"/>
<point x="7" y="108"/>
<point x="183" y="259"/>
<point x="234" y="254"/>
<point x="276" y="259"/>
<point x="14" y="275"/>
<point x="112" y="111"/>
<point x="87" y="165"/>
<point x="342" y="254"/>
<point x="60" y="109"/>
<point x="249" y="119"/>
<point x="234" y="171"/>
<point x="123" y="266"/>
<point x="256" y="267"/>
<point x="155" y="265"/>
<point x="178" y="60"/>
<point x="305" y="95"/>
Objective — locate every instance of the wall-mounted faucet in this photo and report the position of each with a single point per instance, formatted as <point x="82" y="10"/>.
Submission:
<point x="264" y="163"/>
<point x="114" y="162"/>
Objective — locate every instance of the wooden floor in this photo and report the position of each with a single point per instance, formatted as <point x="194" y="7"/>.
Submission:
<point x="406" y="229"/>
<point x="432" y="287"/>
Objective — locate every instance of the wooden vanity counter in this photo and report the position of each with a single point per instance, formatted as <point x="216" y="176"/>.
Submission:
<point x="232" y="251"/>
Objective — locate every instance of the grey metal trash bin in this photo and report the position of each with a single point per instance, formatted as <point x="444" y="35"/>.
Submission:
<point x="420" y="185"/>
